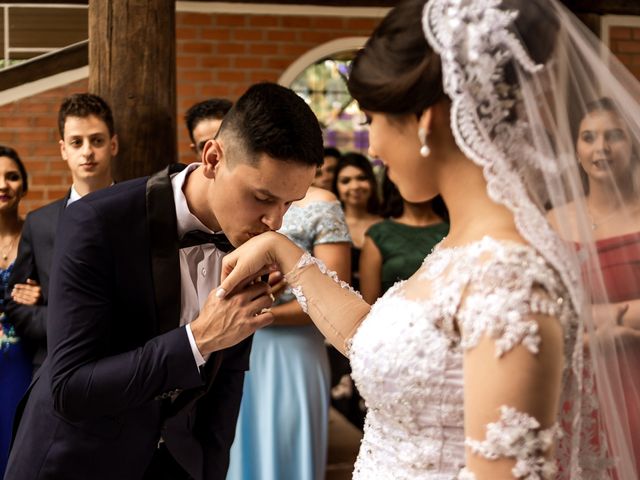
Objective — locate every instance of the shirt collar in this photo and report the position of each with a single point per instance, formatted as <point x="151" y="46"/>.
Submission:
<point x="186" y="220"/>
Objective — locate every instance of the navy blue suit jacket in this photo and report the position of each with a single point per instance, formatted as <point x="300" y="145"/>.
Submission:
<point x="98" y="406"/>
<point x="35" y="255"/>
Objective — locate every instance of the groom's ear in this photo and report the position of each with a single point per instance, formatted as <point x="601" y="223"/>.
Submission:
<point x="212" y="156"/>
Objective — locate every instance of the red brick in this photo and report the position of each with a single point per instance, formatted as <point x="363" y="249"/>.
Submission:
<point x="248" y="62"/>
<point x="7" y="136"/>
<point x="282" y="36"/>
<point x="296" y="22"/>
<point x="45" y="121"/>
<point x="15" y="122"/>
<point x="627" y="46"/>
<point x="37" y="136"/>
<point x="278" y="63"/>
<point x="186" y="61"/>
<point x="620" y="33"/>
<point x="264" y="21"/>
<point x="36" y="165"/>
<point x="230" y="20"/>
<point x="195" y="47"/>
<point x="327" y="22"/>
<point x="242" y="34"/>
<point x="263" y="48"/>
<point x="263" y="76"/>
<point x="226" y="48"/>
<point x="186" y="33"/>
<point x="231" y="76"/>
<point x="366" y="24"/>
<point x="185" y="89"/>
<point x="215" y="91"/>
<point x="635" y="33"/>
<point x="314" y="36"/>
<point x="193" y="19"/>
<point x="221" y="34"/>
<point x="216" y="62"/>
<point x="293" y="50"/>
<point x="195" y="76"/>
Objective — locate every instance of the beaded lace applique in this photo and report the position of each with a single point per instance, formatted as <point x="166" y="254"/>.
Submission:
<point x="517" y="435"/>
<point x="307" y="260"/>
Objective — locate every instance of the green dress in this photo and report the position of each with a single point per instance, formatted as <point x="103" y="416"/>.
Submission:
<point x="403" y="248"/>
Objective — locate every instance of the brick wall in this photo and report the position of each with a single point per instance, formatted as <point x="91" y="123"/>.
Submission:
<point x="217" y="55"/>
<point x="624" y="42"/>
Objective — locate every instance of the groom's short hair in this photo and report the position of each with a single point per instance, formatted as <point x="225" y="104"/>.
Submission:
<point x="273" y="120"/>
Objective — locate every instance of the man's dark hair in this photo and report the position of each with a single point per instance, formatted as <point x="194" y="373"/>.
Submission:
<point x="273" y="120"/>
<point x="332" y="152"/>
<point x="13" y="155"/>
<point x="215" y="108"/>
<point x="83" y="105"/>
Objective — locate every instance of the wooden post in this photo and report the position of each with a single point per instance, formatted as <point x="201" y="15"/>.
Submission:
<point x="132" y="65"/>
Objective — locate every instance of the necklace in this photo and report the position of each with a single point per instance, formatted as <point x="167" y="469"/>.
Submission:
<point x="6" y="249"/>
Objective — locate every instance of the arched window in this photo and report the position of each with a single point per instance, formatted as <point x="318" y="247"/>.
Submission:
<point x="320" y="77"/>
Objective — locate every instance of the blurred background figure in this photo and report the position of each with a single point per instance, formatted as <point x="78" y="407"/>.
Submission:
<point x="356" y="187"/>
<point x="283" y="423"/>
<point x="203" y="121"/>
<point x="611" y="176"/>
<point x="326" y="173"/>
<point x="396" y="247"/>
<point x="15" y="360"/>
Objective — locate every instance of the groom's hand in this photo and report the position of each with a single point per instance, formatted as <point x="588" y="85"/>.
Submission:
<point x="224" y="322"/>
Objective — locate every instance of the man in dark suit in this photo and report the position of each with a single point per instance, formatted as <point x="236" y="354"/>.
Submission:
<point x="87" y="143"/>
<point x="146" y="365"/>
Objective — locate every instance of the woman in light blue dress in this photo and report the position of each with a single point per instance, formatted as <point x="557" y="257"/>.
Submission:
<point x="283" y="422"/>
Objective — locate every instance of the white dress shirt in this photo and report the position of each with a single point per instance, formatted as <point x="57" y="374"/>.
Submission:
<point x="200" y="265"/>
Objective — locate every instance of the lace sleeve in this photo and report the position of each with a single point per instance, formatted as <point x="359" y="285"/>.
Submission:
<point x="333" y="305"/>
<point x="512" y="319"/>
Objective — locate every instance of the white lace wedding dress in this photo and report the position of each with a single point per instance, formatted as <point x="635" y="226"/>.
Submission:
<point x="407" y="361"/>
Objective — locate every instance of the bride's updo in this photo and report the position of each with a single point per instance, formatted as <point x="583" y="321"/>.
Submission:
<point x="398" y="72"/>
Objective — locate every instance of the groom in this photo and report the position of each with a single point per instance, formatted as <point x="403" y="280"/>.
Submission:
<point x="145" y="369"/>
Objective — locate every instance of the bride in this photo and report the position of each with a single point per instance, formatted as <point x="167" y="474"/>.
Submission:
<point x="475" y="367"/>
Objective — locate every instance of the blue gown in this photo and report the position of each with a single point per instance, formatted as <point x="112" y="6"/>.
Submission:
<point x="15" y="374"/>
<point x="283" y="423"/>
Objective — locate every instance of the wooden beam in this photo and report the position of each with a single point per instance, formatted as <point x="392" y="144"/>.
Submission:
<point x="132" y="65"/>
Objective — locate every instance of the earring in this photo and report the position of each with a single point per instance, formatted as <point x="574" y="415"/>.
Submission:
<point x="422" y="136"/>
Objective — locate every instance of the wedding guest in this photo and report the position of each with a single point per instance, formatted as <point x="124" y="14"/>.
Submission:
<point x="355" y="186"/>
<point x="611" y="175"/>
<point x="327" y="171"/>
<point x="15" y="357"/>
<point x="203" y="121"/>
<point x="88" y="143"/>
<point x="283" y="422"/>
<point x="396" y="247"/>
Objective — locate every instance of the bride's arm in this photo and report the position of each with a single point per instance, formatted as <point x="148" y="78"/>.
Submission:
<point x="510" y="405"/>
<point x="333" y="306"/>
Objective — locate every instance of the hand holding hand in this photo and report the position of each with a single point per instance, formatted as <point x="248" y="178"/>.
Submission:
<point x="269" y="251"/>
<point x="224" y="322"/>
<point x="26" y="293"/>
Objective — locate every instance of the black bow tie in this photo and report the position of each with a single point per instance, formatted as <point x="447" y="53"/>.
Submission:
<point x="196" y="237"/>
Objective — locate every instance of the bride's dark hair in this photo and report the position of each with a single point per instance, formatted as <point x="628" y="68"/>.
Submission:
<point x="398" y="73"/>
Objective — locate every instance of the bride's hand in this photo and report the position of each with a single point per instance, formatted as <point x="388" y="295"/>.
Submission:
<point x="264" y="253"/>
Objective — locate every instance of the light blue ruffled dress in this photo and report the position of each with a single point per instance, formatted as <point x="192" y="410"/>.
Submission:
<point x="282" y="427"/>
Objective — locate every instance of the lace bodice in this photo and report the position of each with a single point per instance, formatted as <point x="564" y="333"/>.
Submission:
<point x="407" y="359"/>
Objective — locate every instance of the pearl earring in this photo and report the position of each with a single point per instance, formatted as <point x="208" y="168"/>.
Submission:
<point x="424" y="149"/>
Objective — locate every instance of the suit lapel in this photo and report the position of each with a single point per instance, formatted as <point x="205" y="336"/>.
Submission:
<point x="163" y="240"/>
